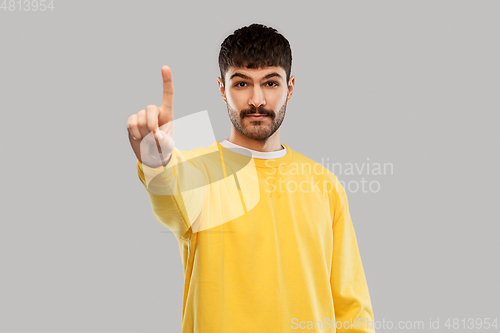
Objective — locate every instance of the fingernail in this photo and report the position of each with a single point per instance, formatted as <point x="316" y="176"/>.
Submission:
<point x="160" y="136"/>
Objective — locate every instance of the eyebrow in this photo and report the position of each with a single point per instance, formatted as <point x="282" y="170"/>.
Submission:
<point x="243" y="76"/>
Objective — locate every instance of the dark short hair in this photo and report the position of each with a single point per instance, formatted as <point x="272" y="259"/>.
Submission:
<point x="255" y="46"/>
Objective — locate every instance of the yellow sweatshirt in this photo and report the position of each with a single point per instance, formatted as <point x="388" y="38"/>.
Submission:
<point x="267" y="245"/>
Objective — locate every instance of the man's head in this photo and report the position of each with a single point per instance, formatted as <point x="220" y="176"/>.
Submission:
<point x="255" y="64"/>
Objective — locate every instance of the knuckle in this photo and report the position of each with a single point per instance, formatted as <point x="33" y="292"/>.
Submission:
<point x="132" y="121"/>
<point x="151" y="126"/>
<point x="141" y="122"/>
<point x="141" y="118"/>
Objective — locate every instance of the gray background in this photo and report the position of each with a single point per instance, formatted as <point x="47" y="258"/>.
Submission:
<point x="412" y="83"/>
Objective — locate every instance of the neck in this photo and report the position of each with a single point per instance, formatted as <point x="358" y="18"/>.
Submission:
<point x="270" y="144"/>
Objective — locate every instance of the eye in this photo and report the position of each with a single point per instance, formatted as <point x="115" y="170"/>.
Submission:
<point x="238" y="84"/>
<point x="273" y="82"/>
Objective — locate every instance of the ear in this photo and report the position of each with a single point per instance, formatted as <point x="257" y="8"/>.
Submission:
<point x="291" y="83"/>
<point x="222" y="89"/>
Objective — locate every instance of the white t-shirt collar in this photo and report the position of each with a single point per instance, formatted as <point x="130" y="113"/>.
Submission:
<point x="255" y="154"/>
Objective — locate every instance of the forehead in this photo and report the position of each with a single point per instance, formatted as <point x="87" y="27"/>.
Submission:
<point x="255" y="73"/>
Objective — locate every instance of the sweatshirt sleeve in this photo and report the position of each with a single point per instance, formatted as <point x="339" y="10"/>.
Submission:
<point x="176" y="192"/>
<point x="351" y="298"/>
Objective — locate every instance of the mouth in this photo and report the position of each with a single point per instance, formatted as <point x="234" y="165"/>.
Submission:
<point x="257" y="116"/>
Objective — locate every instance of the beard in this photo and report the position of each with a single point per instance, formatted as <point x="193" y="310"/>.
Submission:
<point x="256" y="129"/>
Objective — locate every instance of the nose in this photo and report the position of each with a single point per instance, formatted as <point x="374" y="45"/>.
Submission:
<point x="257" y="99"/>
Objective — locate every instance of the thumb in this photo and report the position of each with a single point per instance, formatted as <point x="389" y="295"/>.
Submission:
<point x="164" y="139"/>
<point x="167" y="128"/>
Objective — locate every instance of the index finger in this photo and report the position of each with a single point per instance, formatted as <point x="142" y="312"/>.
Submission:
<point x="166" y="109"/>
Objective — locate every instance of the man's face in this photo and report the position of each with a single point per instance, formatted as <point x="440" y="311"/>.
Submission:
<point x="256" y="99"/>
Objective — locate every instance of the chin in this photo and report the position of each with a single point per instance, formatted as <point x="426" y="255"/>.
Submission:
<point x="257" y="136"/>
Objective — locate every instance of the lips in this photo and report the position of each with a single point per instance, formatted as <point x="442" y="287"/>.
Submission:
<point x="257" y="116"/>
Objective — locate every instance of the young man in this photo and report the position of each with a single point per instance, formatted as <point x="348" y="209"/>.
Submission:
<point x="265" y="236"/>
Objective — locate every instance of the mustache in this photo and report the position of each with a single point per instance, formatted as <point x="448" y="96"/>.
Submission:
<point x="259" y="110"/>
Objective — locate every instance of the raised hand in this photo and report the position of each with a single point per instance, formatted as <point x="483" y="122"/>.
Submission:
<point x="151" y="130"/>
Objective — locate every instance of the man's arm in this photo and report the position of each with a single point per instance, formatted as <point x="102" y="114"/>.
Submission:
<point x="176" y="192"/>
<point x="350" y="291"/>
<point x="172" y="182"/>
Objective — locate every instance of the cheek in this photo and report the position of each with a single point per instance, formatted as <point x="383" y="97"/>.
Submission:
<point x="232" y="105"/>
<point x="277" y="102"/>
<point x="235" y="101"/>
<point x="230" y="98"/>
<point x="285" y="96"/>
